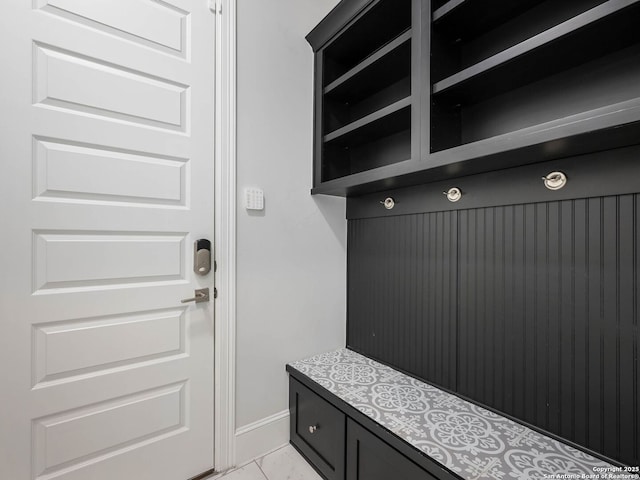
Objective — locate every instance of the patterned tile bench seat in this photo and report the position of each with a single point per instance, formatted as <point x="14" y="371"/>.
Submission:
<point x="462" y="439"/>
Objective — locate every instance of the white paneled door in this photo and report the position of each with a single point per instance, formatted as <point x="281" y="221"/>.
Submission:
<point x="106" y="178"/>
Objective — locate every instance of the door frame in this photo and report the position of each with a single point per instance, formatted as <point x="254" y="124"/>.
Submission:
<point x="225" y="235"/>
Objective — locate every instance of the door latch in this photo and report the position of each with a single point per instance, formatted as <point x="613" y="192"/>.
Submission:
<point x="201" y="295"/>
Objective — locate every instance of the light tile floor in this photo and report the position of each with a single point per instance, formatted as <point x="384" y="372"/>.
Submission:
<point x="283" y="464"/>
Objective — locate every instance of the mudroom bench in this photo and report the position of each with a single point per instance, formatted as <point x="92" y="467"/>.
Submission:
<point x="356" y="419"/>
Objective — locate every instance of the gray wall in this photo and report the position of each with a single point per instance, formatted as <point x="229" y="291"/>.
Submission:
<point x="291" y="278"/>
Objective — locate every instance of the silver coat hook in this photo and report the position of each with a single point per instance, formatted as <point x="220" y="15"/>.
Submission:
<point x="453" y="194"/>
<point x="555" y="180"/>
<point x="389" y="203"/>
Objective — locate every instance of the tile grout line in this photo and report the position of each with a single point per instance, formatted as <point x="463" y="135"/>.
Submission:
<point x="265" y="476"/>
<point x="260" y="468"/>
<point x="237" y="469"/>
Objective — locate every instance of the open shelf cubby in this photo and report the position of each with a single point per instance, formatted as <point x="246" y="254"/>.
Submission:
<point x="572" y="57"/>
<point x="366" y="92"/>
<point x="463" y="20"/>
<point x="380" y="80"/>
<point x="380" y="139"/>
<point x="383" y="21"/>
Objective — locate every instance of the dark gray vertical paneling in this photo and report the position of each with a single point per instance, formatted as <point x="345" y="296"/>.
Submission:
<point x="628" y="248"/>
<point x="580" y="302"/>
<point x="530" y="309"/>
<point x="500" y="303"/>
<point x="610" y="327"/>
<point x="488" y="297"/>
<point x="538" y="325"/>
<point x="510" y="332"/>
<point x="463" y="370"/>
<point x="555" y="295"/>
<point x="566" y="321"/>
<point x="517" y="315"/>
<point x="530" y="298"/>
<point x="548" y="313"/>
<point x="420" y="287"/>
<point x="626" y="410"/>
<point x="594" y="333"/>
<point x="402" y="293"/>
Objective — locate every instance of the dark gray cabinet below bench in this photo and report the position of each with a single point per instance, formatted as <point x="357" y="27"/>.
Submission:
<point x="356" y="419"/>
<point x="324" y="434"/>
<point x="370" y="458"/>
<point x="327" y="437"/>
<point x="317" y="430"/>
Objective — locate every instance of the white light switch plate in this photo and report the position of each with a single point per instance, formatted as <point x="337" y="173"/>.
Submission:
<point x="253" y="199"/>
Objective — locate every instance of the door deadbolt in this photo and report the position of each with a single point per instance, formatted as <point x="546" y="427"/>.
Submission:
<point x="202" y="256"/>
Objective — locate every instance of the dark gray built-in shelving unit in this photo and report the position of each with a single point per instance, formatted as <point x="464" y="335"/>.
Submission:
<point x="412" y="91"/>
<point x="519" y="298"/>
<point x="366" y="89"/>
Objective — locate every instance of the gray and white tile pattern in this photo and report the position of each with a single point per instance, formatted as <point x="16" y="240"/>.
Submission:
<point x="469" y="440"/>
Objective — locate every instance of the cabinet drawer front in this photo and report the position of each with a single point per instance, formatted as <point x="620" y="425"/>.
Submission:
<point x="369" y="458"/>
<point x="317" y="430"/>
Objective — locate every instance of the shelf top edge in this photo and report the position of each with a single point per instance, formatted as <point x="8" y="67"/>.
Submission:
<point x="367" y="181"/>
<point x="445" y="9"/>
<point x="532" y="44"/>
<point x="337" y="18"/>
<point x="372" y="59"/>
<point x="366" y="120"/>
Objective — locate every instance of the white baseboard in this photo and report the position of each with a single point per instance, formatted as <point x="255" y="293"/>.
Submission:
<point x="262" y="437"/>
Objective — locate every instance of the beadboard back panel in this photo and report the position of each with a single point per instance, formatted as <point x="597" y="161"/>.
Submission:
<point x="402" y="293"/>
<point x="548" y="317"/>
<point x="530" y="309"/>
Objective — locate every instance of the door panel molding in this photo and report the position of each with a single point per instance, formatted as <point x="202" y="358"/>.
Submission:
<point x="107" y="179"/>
